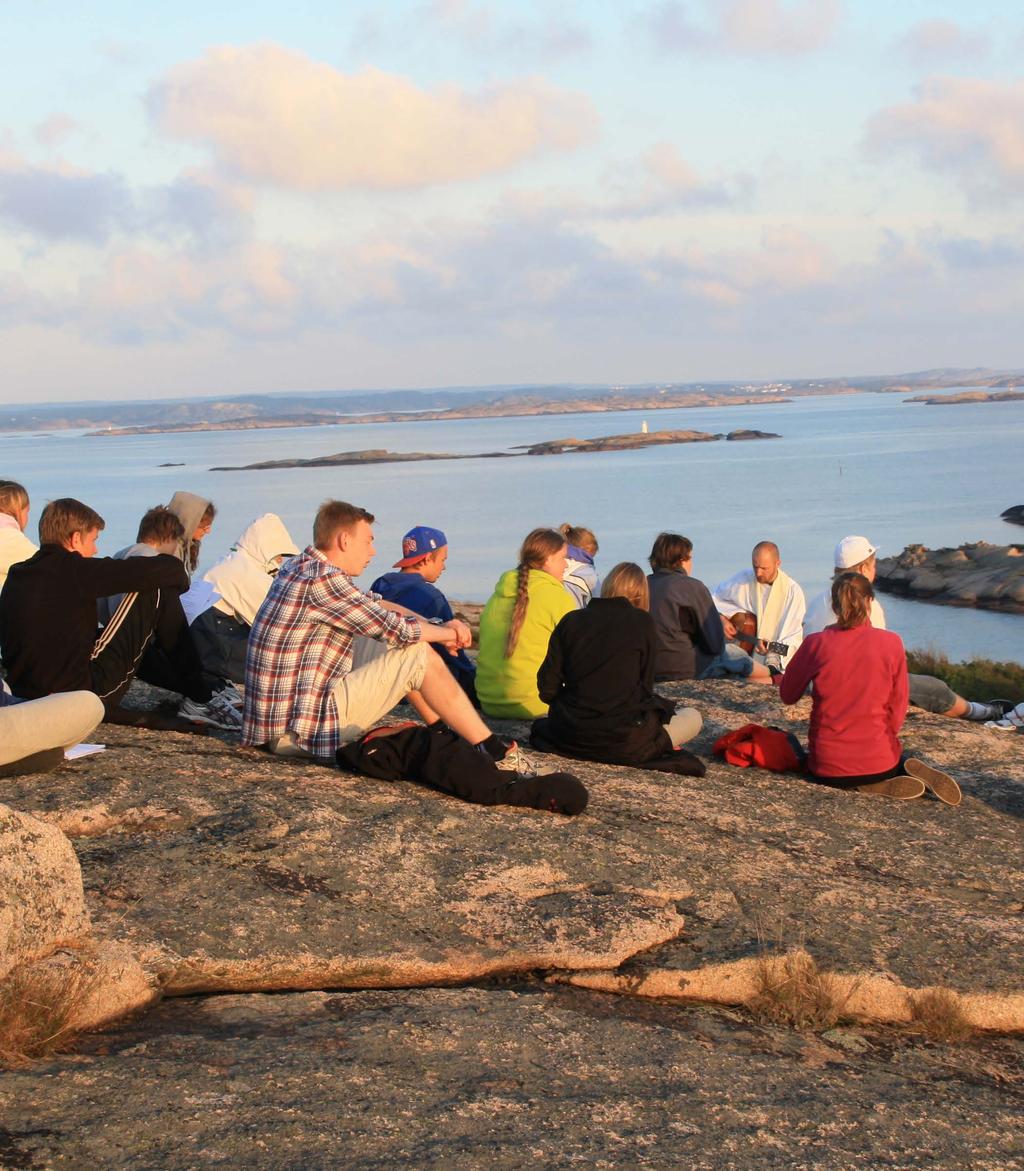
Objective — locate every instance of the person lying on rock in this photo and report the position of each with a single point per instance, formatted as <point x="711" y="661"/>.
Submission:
<point x="691" y="638"/>
<point x="48" y="614"/>
<point x="856" y="554"/>
<point x="35" y="732"/>
<point x="598" y="680"/>
<point x="774" y="600"/>
<point x="423" y="560"/>
<point x="859" y="703"/>
<point x="326" y="661"/>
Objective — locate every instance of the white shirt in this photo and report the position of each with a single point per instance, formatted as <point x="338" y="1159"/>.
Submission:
<point x="740" y="592"/>
<point x="820" y="613"/>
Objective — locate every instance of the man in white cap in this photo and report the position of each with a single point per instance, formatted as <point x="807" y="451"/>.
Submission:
<point x="857" y="555"/>
<point x="853" y="555"/>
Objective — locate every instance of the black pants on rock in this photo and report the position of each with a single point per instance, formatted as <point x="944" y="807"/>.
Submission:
<point x="147" y="636"/>
<point x="866" y="779"/>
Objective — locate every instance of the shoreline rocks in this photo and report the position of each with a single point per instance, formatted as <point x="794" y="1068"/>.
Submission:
<point x="980" y="575"/>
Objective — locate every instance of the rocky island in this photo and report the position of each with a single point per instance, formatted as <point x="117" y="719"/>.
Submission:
<point x="629" y="442"/>
<point x="968" y="396"/>
<point x="1014" y="515"/>
<point x="330" y="970"/>
<point x="988" y="577"/>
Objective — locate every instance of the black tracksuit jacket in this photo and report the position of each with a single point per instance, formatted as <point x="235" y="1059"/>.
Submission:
<point x="48" y="613"/>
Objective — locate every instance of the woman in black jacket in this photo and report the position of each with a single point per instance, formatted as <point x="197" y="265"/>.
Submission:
<point x="598" y="678"/>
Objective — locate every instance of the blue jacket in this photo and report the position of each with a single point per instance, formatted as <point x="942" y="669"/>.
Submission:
<point x="425" y="599"/>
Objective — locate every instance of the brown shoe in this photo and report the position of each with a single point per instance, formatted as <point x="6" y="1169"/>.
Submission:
<point x="939" y="783"/>
<point x="899" y="788"/>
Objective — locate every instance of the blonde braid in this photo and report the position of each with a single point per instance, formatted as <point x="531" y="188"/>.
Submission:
<point x="519" y="613"/>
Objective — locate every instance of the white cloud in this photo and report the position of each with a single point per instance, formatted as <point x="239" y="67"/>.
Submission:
<point x="271" y="115"/>
<point x="483" y="28"/>
<point x="934" y="42"/>
<point x="528" y="293"/>
<point x="753" y="28"/>
<point x="56" y="129"/>
<point x="59" y="203"/>
<point x="971" y="129"/>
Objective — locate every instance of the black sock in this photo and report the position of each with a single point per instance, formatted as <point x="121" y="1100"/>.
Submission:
<point x="494" y="747"/>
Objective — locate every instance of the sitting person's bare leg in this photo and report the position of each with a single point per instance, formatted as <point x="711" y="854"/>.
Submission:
<point x="441" y="698"/>
<point x="760" y="674"/>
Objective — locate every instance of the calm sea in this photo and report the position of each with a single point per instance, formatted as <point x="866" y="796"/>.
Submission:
<point x="871" y="464"/>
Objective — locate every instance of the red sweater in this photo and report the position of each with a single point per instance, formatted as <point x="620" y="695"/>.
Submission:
<point x="860" y="698"/>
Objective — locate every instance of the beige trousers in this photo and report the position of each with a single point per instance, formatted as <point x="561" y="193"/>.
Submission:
<point x="56" y="721"/>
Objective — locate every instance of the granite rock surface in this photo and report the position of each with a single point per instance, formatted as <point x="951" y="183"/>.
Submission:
<point x="506" y="1078"/>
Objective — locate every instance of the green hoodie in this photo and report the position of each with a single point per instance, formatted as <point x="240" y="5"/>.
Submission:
<point x="508" y="687"/>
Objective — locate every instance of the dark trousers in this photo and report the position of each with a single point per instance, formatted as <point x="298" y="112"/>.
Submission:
<point x="222" y="643"/>
<point x="147" y="636"/>
<point x="866" y="779"/>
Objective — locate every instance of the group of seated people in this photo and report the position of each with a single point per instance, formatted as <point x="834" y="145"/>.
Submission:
<point x="321" y="661"/>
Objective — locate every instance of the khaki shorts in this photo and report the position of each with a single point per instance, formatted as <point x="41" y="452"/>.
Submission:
<point x="380" y="678"/>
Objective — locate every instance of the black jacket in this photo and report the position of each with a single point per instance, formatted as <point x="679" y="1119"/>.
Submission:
<point x="598" y="678"/>
<point x="689" y="629"/>
<point x="48" y="613"/>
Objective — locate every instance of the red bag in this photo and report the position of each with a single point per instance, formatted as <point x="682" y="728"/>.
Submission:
<point x="753" y="744"/>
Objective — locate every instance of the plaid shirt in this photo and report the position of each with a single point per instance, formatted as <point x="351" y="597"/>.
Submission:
<point x="300" y="648"/>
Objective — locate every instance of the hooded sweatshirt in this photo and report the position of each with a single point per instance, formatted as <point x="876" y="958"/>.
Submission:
<point x="244" y="576"/>
<point x="508" y="687"/>
<point x="189" y="509"/>
<point x="14" y="545"/>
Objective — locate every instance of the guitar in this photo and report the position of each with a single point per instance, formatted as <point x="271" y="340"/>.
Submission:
<point x="746" y="630"/>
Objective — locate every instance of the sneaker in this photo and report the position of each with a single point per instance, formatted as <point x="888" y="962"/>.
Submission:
<point x="515" y="760"/>
<point x="1011" y="721"/>
<point x="217" y="712"/>
<point x="899" y="788"/>
<point x="1002" y="707"/>
<point x="553" y="792"/>
<point x="939" y="783"/>
<point x="230" y="694"/>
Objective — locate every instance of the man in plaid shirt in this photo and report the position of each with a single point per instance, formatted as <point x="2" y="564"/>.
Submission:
<point x="326" y="660"/>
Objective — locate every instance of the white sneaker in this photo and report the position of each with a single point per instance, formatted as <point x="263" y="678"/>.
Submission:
<point x="217" y="712"/>
<point x="516" y="761"/>
<point x="230" y="693"/>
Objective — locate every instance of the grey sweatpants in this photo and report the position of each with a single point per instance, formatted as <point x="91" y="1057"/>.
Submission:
<point x="931" y="694"/>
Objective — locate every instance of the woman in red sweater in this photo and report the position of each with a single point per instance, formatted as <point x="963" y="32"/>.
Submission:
<point x="860" y="693"/>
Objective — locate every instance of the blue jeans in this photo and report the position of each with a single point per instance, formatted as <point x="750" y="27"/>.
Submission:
<point x="732" y="661"/>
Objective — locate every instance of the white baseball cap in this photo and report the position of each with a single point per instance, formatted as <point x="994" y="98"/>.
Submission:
<point x="852" y="551"/>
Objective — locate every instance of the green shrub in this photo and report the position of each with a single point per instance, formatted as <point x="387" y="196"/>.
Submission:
<point x="979" y="679"/>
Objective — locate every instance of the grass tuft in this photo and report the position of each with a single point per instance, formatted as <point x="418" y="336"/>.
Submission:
<point x="793" y="991"/>
<point x="37" y="1006"/>
<point x="939" y="1014"/>
<point x="979" y="679"/>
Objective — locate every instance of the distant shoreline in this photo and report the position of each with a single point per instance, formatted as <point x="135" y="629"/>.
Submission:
<point x="451" y="414"/>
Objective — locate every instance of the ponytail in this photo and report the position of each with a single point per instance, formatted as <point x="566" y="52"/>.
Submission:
<point x="851" y="600"/>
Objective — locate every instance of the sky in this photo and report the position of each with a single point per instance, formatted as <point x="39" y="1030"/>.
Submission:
<point x="230" y="198"/>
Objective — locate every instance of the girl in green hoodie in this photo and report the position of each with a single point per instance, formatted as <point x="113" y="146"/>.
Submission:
<point x="516" y="624"/>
